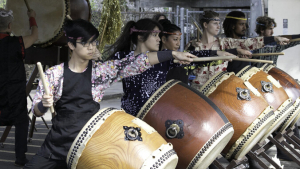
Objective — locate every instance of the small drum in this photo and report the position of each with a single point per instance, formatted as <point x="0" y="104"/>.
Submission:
<point x="245" y="108"/>
<point x="272" y="91"/>
<point x="50" y="18"/>
<point x="114" y="139"/>
<point x="292" y="89"/>
<point x="195" y="126"/>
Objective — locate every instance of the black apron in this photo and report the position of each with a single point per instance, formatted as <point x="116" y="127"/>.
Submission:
<point x="13" y="100"/>
<point x="75" y="107"/>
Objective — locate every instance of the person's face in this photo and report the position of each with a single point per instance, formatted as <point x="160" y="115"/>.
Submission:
<point x="161" y="17"/>
<point x="86" y="50"/>
<point x="213" y="27"/>
<point x="172" y="42"/>
<point x="240" y="28"/>
<point x="268" y="32"/>
<point x="152" y="42"/>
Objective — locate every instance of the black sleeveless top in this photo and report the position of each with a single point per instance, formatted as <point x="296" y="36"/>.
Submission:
<point x="75" y="107"/>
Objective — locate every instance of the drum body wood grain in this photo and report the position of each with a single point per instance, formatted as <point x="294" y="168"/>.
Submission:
<point x="245" y="108"/>
<point x="272" y="91"/>
<point x="114" y="139"/>
<point x="292" y="89"/>
<point x="50" y="18"/>
<point x="203" y="130"/>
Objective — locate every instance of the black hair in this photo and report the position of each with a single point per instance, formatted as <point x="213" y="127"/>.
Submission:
<point x="167" y="27"/>
<point x="127" y="37"/>
<point x="80" y="28"/>
<point x="207" y="15"/>
<point x="156" y="17"/>
<point x="230" y="22"/>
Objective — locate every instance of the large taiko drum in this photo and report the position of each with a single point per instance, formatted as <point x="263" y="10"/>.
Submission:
<point x="272" y="91"/>
<point x="114" y="139"/>
<point x="195" y="126"/>
<point x="50" y="18"/>
<point x="249" y="113"/>
<point x="292" y="89"/>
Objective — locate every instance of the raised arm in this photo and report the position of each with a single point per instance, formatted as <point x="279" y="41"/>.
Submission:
<point x="30" y="39"/>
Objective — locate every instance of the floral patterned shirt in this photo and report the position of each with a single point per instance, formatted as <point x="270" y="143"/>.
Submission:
<point x="206" y="72"/>
<point x="103" y="75"/>
<point x="139" y="88"/>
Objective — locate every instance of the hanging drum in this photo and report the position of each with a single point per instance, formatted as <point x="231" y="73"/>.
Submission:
<point x="272" y="91"/>
<point x="50" y="18"/>
<point x="114" y="139"/>
<point x="245" y="108"/>
<point x="195" y="126"/>
<point x="292" y="89"/>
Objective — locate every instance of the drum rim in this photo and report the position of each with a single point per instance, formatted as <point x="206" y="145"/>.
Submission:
<point x="284" y="111"/>
<point x="161" y="156"/>
<point x="163" y="89"/>
<point x="259" y="123"/>
<point x="67" y="7"/>
<point x="294" y="113"/>
<point x="72" y="157"/>
<point x="227" y="128"/>
<point x="296" y="118"/>
<point x="154" y="98"/>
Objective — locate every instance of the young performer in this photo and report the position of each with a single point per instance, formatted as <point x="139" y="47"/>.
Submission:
<point x="235" y="26"/>
<point x="78" y="85"/>
<point x="13" y="100"/>
<point x="211" y="26"/>
<point x="264" y="27"/>
<point x="159" y="16"/>
<point x="139" y="88"/>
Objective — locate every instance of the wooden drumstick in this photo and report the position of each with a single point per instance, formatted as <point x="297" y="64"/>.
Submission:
<point x="209" y="58"/>
<point x="69" y="17"/>
<point x="233" y="57"/>
<point x="42" y="75"/>
<point x="266" y="54"/>
<point x="27" y="5"/>
<point x="253" y="60"/>
<point x="198" y="28"/>
<point x="295" y="40"/>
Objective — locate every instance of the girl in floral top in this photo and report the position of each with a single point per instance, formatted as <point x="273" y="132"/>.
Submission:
<point x="139" y="88"/>
<point x="77" y="87"/>
<point x="211" y="27"/>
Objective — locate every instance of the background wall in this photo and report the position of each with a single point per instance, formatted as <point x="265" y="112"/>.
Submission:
<point x="287" y="9"/>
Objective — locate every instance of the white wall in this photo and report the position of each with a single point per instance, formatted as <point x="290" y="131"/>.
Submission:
<point x="287" y="9"/>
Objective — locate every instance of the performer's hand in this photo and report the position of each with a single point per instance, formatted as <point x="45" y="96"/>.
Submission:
<point x="244" y="53"/>
<point x="281" y="40"/>
<point x="47" y="100"/>
<point x="31" y="13"/>
<point x="223" y="53"/>
<point x="183" y="57"/>
<point x="195" y="43"/>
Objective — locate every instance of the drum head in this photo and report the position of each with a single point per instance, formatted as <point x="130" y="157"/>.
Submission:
<point x="50" y="17"/>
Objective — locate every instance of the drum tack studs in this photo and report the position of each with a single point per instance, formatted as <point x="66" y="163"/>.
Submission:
<point x="174" y="129"/>
<point x="132" y="133"/>
<point x="243" y="94"/>
<point x="267" y="87"/>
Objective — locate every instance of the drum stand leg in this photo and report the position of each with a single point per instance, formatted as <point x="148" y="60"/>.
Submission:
<point x="279" y="139"/>
<point x="31" y="128"/>
<point x="289" y="133"/>
<point x="258" y="150"/>
<point x="236" y="164"/>
<point x="4" y="136"/>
